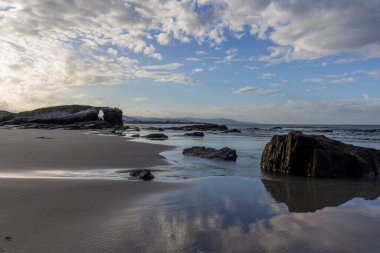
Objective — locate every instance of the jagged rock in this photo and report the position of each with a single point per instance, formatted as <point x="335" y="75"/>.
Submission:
<point x="143" y="174"/>
<point x="195" y="134"/>
<point x="225" y="154"/>
<point x="318" y="156"/>
<point x="156" y="136"/>
<point x="201" y="127"/>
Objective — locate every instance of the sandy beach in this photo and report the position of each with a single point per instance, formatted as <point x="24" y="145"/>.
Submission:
<point x="67" y="215"/>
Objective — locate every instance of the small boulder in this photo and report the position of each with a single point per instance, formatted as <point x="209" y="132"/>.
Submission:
<point x="225" y="154"/>
<point x="156" y="137"/>
<point x="195" y="134"/>
<point x="142" y="174"/>
<point x="135" y="136"/>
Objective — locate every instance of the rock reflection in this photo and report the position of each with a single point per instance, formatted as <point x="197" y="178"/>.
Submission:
<point x="238" y="215"/>
<point x="309" y="195"/>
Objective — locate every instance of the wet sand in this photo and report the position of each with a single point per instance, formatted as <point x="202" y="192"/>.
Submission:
<point x="22" y="150"/>
<point x="69" y="215"/>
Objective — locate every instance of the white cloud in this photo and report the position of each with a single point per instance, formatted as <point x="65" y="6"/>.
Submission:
<point x="365" y="96"/>
<point x="267" y="76"/>
<point x="201" y="52"/>
<point x="174" y="65"/>
<point x="314" y="80"/>
<point x="193" y="59"/>
<point x="345" y="60"/>
<point x="344" y="80"/>
<point x="141" y="99"/>
<point x="112" y="52"/>
<point x="50" y="46"/>
<point x="254" y="90"/>
<point x="165" y="77"/>
<point x="372" y="73"/>
<point x="196" y="70"/>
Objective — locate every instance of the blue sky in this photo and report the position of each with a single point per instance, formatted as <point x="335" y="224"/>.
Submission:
<point x="265" y="61"/>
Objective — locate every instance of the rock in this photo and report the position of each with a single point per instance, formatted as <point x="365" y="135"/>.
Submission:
<point x="135" y="136"/>
<point x="4" y="116"/>
<point x="112" y="115"/>
<point x="225" y="154"/>
<point x="143" y="174"/>
<point x="201" y="127"/>
<point x="318" y="156"/>
<point x="195" y="134"/>
<point x="232" y="131"/>
<point x="156" y="136"/>
<point x="67" y="116"/>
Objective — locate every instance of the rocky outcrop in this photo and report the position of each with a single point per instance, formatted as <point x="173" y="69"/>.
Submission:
<point x="156" y="137"/>
<point x="195" y="134"/>
<point x="318" y="156"/>
<point x="112" y="115"/>
<point x="66" y="116"/>
<point x="4" y="116"/>
<point x="143" y="174"/>
<point x="225" y="154"/>
<point x="200" y="127"/>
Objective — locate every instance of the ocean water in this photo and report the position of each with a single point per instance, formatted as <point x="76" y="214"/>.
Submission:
<point x="249" y="145"/>
<point x="233" y="207"/>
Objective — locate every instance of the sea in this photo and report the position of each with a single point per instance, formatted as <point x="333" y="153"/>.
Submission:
<point x="234" y="207"/>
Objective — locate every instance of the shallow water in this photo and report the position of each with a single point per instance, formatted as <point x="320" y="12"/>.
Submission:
<point x="236" y="214"/>
<point x="234" y="207"/>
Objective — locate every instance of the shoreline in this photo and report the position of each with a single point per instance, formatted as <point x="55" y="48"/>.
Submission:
<point x="70" y="215"/>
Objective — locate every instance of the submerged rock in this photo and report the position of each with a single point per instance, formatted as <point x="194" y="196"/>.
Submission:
<point x="234" y="130"/>
<point x="225" y="154"/>
<point x="156" y="136"/>
<point x="318" y="156"/>
<point x="195" y="134"/>
<point x="143" y="174"/>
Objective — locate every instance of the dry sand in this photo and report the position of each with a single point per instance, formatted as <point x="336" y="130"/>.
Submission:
<point x="67" y="215"/>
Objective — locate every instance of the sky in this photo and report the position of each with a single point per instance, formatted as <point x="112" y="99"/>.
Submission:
<point x="266" y="61"/>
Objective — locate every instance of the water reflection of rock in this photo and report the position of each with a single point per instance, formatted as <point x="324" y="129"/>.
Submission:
<point x="312" y="195"/>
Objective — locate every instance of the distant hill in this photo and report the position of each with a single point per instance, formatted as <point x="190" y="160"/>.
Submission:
<point x="185" y="120"/>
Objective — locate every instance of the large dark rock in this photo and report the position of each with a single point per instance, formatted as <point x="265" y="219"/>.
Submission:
<point x="156" y="136"/>
<point x="225" y="154"/>
<point x="318" y="156"/>
<point x="142" y="174"/>
<point x="66" y="115"/>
